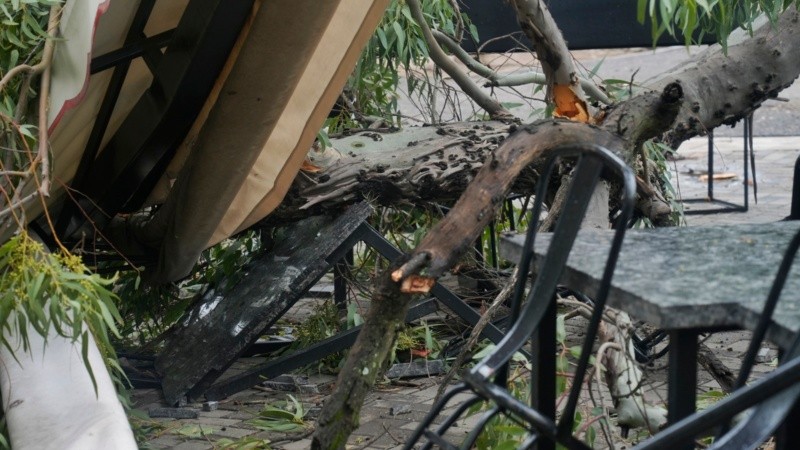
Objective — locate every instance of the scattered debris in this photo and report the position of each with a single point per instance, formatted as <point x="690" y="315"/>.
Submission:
<point x="210" y="406"/>
<point x="418" y="368"/>
<point x="172" y="413"/>
<point x="764" y="355"/>
<point x="719" y="176"/>
<point x="399" y="409"/>
<point x="291" y="383"/>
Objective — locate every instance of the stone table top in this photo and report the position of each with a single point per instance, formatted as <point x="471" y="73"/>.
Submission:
<point x="687" y="277"/>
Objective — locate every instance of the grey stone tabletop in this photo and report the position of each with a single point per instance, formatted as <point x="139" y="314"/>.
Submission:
<point x="688" y="277"/>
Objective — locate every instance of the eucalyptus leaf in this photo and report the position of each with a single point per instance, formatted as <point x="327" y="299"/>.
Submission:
<point x="194" y="431"/>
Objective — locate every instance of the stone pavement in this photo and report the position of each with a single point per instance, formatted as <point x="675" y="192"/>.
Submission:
<point x="392" y="410"/>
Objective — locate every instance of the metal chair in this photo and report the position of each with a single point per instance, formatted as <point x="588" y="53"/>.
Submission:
<point x="794" y="214"/>
<point x="487" y="380"/>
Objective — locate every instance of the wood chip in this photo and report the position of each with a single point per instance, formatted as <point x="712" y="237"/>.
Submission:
<point x="719" y="176"/>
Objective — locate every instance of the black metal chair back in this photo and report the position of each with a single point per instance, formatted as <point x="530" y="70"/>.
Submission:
<point x="486" y="381"/>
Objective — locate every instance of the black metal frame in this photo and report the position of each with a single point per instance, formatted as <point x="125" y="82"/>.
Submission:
<point x="773" y="399"/>
<point x="794" y="213"/>
<point x="748" y="156"/>
<point x="119" y="179"/>
<point x="487" y="380"/>
<point x="371" y="237"/>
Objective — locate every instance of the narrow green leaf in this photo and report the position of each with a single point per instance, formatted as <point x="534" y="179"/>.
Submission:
<point x="85" y="354"/>
<point x="13" y="58"/>
<point x="382" y="37"/>
<point x="640" y="10"/>
<point x="276" y="413"/>
<point x="5" y="11"/>
<point x="401" y="38"/>
<point x="194" y="431"/>
<point x="561" y="332"/>
<point x="473" y="31"/>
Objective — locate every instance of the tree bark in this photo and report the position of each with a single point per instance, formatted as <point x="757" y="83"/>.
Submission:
<point x="365" y="360"/>
<point x="721" y="89"/>
<point x="563" y="86"/>
<point x="710" y="90"/>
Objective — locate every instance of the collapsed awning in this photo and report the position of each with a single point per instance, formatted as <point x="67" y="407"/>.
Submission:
<point x="217" y="103"/>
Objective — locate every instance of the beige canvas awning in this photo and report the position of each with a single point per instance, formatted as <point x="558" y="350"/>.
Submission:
<point x="236" y="164"/>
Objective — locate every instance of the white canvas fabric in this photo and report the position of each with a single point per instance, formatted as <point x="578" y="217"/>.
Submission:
<point x="50" y="402"/>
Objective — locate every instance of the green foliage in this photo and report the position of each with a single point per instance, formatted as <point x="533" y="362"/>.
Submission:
<point x="22" y="36"/>
<point x="285" y="416"/>
<point x="245" y="443"/>
<point x="503" y="224"/>
<point x="657" y="153"/>
<point x="715" y="17"/>
<point x="405" y="227"/>
<point x="397" y="44"/>
<point x="54" y="291"/>
<point x="48" y="292"/>
<point x="144" y="428"/>
<point x="194" y="431"/>
<point x="503" y="432"/>
<point x="323" y="323"/>
<point x="418" y="341"/>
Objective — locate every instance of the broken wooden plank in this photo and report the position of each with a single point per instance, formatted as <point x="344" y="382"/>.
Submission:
<point x="215" y="332"/>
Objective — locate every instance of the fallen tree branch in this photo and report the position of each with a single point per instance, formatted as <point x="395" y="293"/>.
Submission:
<point x="723" y="88"/>
<point x="497" y="79"/>
<point x="624" y="377"/>
<point x="43" y="154"/>
<point x="446" y="242"/>
<point x="563" y="88"/>
<point x="495" y="110"/>
<point x="443" y="245"/>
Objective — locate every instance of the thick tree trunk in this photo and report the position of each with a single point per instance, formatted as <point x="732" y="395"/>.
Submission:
<point x="429" y="165"/>
<point x="721" y="89"/>
<point x="716" y="88"/>
<point x="364" y="364"/>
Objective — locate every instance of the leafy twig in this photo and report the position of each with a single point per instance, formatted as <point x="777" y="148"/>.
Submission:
<point x="495" y="79"/>
<point x="485" y="319"/>
<point x="41" y="65"/>
<point x="42" y="157"/>
<point x="495" y="110"/>
<point x="44" y="95"/>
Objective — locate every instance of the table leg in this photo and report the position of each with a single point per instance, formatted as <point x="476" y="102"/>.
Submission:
<point x="788" y="436"/>
<point x="543" y="375"/>
<point x="682" y="396"/>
